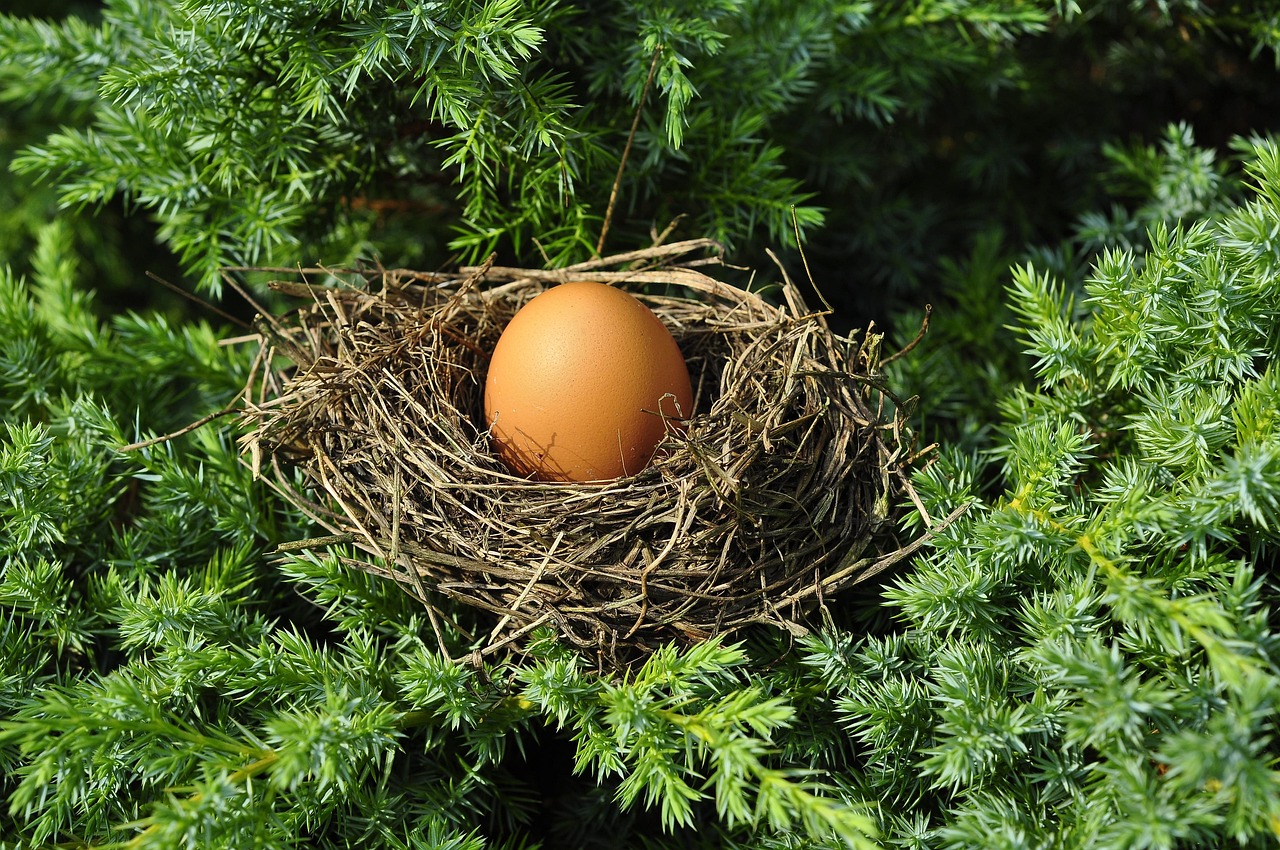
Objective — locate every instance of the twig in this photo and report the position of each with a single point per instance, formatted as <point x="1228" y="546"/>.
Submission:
<point x="664" y="254"/>
<point x="519" y="600"/>
<point x="626" y="150"/>
<point x="237" y="340"/>
<point x="244" y="293"/>
<point x="795" y="225"/>
<point x="313" y="543"/>
<point x="866" y="568"/>
<point x="186" y="429"/>
<point x="924" y="328"/>
<point x="511" y="638"/>
<point x="204" y="420"/>
<point x="197" y="300"/>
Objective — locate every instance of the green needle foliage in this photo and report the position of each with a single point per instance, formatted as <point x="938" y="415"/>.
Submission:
<point x="888" y="134"/>
<point x="1086" y="658"/>
<point x="1094" y="643"/>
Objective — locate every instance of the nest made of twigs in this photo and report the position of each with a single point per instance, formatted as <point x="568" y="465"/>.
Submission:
<point x="778" y="493"/>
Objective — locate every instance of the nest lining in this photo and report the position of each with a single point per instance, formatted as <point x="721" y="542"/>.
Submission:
<point x="777" y="493"/>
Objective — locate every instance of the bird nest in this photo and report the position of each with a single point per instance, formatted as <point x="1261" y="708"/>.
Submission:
<point x="779" y="492"/>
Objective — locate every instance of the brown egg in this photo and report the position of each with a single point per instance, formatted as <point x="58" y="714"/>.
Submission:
<point x="576" y="384"/>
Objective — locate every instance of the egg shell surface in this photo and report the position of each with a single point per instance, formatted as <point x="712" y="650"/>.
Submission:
<point x="576" y="382"/>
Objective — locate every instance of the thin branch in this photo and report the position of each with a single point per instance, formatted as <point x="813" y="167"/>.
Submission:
<point x="924" y="328"/>
<point x="795" y="224"/>
<point x="313" y="543"/>
<point x="626" y="151"/>
<point x="244" y="293"/>
<point x="186" y="429"/>
<point x="232" y="407"/>
<point x="197" y="300"/>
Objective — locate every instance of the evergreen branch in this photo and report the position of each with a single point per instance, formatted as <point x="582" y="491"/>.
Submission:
<point x="1195" y="617"/>
<point x="781" y="800"/>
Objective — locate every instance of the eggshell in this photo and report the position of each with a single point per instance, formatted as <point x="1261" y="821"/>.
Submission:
<point x="576" y="382"/>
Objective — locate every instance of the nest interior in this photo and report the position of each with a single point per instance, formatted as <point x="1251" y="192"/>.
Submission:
<point x="777" y="494"/>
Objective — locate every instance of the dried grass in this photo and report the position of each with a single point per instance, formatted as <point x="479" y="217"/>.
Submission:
<point x="779" y="493"/>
